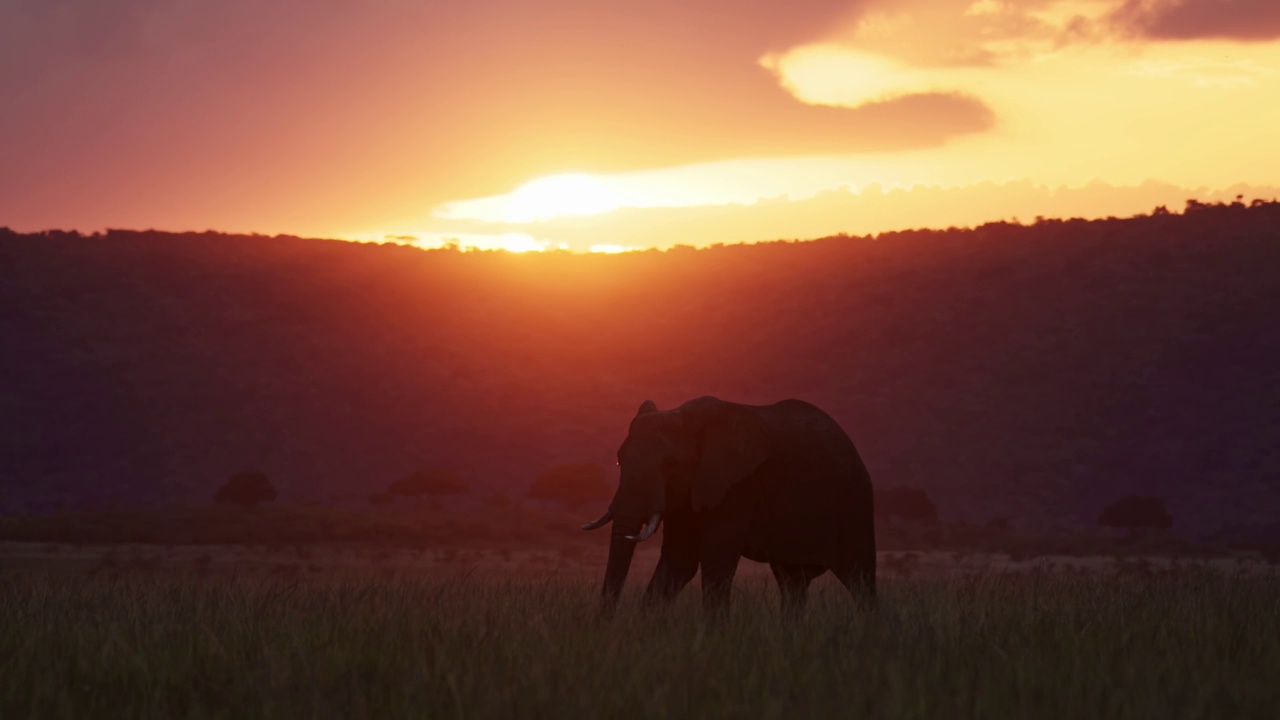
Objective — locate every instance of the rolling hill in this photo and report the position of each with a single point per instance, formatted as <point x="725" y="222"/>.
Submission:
<point x="1035" y="372"/>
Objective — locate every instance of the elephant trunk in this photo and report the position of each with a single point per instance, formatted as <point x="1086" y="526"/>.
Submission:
<point x="621" y="550"/>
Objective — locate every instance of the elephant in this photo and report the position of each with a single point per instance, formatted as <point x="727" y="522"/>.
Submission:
<point x="780" y="484"/>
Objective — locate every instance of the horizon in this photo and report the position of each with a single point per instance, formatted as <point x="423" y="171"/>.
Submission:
<point x="574" y="125"/>
<point x="1231" y="197"/>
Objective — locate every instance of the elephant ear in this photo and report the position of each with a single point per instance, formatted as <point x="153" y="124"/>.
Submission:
<point x="732" y="445"/>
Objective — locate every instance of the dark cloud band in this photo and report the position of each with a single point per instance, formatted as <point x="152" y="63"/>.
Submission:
<point x="1242" y="20"/>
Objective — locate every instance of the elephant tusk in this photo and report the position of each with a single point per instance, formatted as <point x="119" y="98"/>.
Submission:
<point x="648" y="531"/>
<point x="599" y="522"/>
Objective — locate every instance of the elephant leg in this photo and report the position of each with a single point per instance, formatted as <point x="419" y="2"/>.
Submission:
<point x="718" y="569"/>
<point x="724" y="537"/>
<point x="719" y="553"/>
<point x="793" y="582"/>
<point x="858" y="573"/>
<point x="678" y="563"/>
<point x="669" y="578"/>
<point x="860" y="579"/>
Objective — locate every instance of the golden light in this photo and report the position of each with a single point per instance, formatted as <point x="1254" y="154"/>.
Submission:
<point x="739" y="181"/>
<point x="559" y="195"/>
<point x="1068" y="112"/>
<point x="516" y="242"/>
<point x="609" y="248"/>
<point x="519" y="243"/>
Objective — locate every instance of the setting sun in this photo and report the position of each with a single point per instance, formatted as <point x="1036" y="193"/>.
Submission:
<point x="559" y="195"/>
<point x="519" y="243"/>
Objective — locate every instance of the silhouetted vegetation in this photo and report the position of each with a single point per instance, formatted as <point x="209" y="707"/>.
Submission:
<point x="576" y="485"/>
<point x="246" y="489"/>
<point x="1134" y="512"/>
<point x="905" y="503"/>
<point x="1010" y="370"/>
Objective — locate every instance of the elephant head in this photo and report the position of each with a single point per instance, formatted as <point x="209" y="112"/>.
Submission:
<point x="675" y="461"/>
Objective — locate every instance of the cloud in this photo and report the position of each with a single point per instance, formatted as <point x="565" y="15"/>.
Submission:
<point x="967" y="33"/>
<point x="913" y="120"/>
<point x="978" y="48"/>
<point x="899" y="48"/>
<point x="934" y="34"/>
<point x="1240" y="20"/>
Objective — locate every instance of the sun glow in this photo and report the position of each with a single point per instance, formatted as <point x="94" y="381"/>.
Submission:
<point x="514" y="242"/>
<point x="742" y="181"/>
<point x="519" y="243"/>
<point x="559" y="195"/>
<point x="1074" y="102"/>
<point x="610" y="248"/>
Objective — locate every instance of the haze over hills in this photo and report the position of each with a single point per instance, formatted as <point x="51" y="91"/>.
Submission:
<point x="1031" y="371"/>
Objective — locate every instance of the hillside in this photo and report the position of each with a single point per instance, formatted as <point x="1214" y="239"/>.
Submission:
<point x="1035" y="372"/>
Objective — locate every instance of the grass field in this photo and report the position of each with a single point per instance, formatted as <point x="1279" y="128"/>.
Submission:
<point x="1186" y="641"/>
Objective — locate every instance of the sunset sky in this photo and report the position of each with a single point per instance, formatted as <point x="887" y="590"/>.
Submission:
<point x="589" y="124"/>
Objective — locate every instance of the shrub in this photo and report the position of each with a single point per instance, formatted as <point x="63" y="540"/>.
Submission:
<point x="1136" y="511"/>
<point x="573" y="484"/>
<point x="429" y="482"/>
<point x="906" y="503"/>
<point x="246" y="489"/>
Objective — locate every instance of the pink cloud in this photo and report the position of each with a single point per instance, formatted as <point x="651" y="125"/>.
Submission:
<point x="1244" y="20"/>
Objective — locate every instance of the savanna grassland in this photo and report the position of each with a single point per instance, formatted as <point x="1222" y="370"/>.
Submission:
<point x="349" y="632"/>
<point x="1025" y="376"/>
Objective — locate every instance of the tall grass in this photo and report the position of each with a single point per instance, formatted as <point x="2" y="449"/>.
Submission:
<point x="1187" y="643"/>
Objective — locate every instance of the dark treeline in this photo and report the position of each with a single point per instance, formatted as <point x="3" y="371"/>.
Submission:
<point x="1030" y="372"/>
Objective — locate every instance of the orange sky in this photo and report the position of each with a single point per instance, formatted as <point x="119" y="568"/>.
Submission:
<point x="669" y="121"/>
